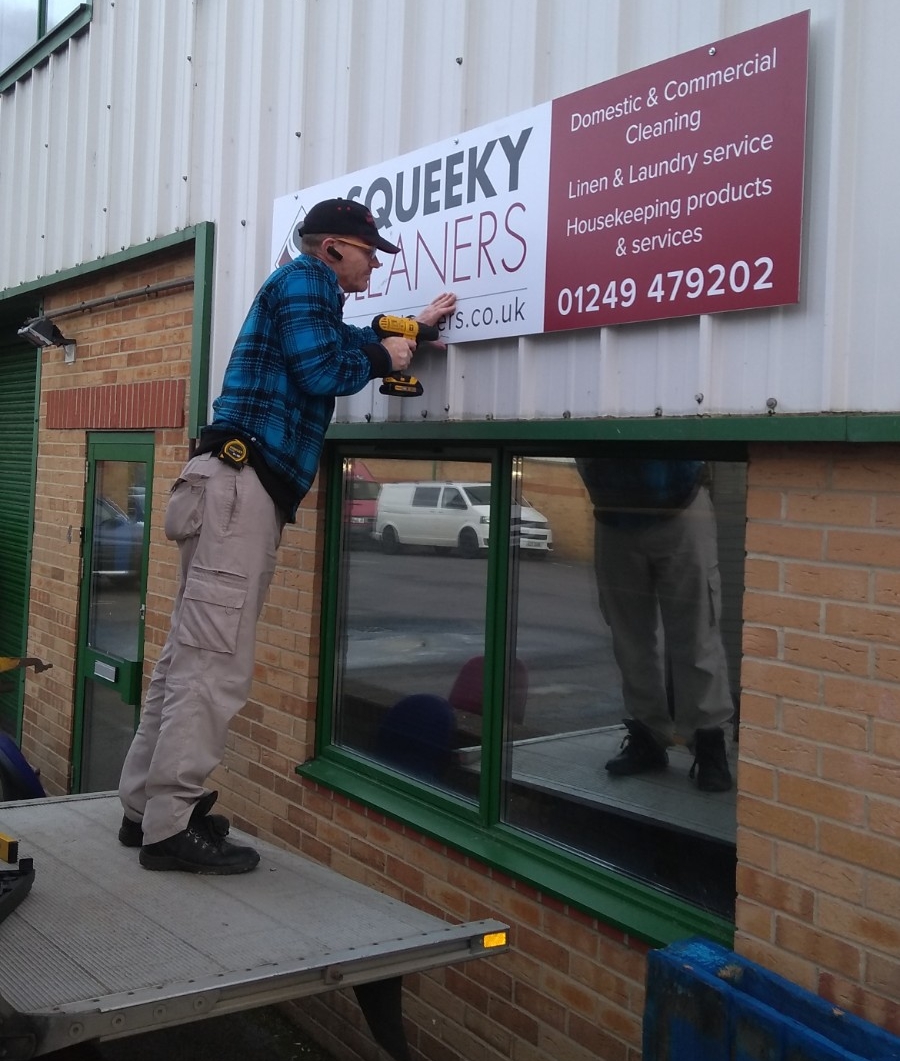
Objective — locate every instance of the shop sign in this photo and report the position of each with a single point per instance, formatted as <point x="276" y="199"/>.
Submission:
<point x="670" y="191"/>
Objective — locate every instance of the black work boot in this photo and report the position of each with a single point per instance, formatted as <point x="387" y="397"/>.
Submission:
<point x="131" y="834"/>
<point x="198" y="849"/>
<point x="639" y="753"/>
<point x="710" y="761"/>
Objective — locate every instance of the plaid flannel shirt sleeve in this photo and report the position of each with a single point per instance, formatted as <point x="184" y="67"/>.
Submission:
<point x="323" y="355"/>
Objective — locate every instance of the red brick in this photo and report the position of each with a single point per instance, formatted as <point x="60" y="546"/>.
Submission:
<point x="827" y="581"/>
<point x="826" y="653"/>
<point x="835" y="508"/>
<point x="771" y="539"/>
<point x="761" y="574"/>
<point x="777" y="894"/>
<point x="819" y="873"/>
<point x="819" y="946"/>
<point x="778" y="610"/>
<point x="871" y="548"/>
<point x="775" y="821"/>
<point x="858" y="848"/>
<point x="823" y="727"/>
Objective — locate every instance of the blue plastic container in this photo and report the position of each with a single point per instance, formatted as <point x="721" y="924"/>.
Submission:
<point x="706" y="1003"/>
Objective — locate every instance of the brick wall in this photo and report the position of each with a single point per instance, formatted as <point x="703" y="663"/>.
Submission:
<point x="131" y="372"/>
<point x="819" y="779"/>
<point x="819" y="840"/>
<point x="569" y="987"/>
<point x="819" y="805"/>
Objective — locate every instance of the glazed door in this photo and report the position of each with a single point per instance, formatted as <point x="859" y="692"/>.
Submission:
<point x="112" y="607"/>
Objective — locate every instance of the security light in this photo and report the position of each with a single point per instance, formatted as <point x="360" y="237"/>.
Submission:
<point x="41" y="331"/>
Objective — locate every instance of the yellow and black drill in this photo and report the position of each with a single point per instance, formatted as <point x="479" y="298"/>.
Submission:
<point x="407" y="328"/>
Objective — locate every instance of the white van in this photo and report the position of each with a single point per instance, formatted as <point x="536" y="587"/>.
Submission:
<point x="451" y="516"/>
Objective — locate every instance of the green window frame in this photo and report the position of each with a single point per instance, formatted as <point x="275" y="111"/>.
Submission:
<point x="46" y="41"/>
<point x="476" y="828"/>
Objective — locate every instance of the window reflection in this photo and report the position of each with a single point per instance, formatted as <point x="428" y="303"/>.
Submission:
<point x="116" y="557"/>
<point x="417" y="685"/>
<point x="564" y="772"/>
<point x="411" y="642"/>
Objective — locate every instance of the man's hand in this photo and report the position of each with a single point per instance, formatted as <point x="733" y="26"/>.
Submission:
<point x="437" y="308"/>
<point x="401" y="351"/>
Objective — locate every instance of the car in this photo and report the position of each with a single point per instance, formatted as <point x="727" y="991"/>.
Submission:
<point x="452" y="515"/>
<point x="360" y="502"/>
<point x="118" y="547"/>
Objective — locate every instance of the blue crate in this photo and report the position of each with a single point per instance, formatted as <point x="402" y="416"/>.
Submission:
<point x="706" y="1003"/>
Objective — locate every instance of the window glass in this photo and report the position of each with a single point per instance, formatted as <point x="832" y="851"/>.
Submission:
<point x="18" y="28"/>
<point x="627" y="640"/>
<point x="412" y="627"/>
<point x="30" y="30"/>
<point x="586" y="695"/>
<point x="57" y="10"/>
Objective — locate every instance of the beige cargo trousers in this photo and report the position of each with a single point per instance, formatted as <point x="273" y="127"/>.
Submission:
<point x="660" y="587"/>
<point x="228" y="530"/>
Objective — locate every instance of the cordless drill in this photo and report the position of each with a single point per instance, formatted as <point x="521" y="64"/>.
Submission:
<point x="407" y="328"/>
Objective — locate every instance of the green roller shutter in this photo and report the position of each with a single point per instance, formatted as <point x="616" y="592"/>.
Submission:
<point x="20" y="366"/>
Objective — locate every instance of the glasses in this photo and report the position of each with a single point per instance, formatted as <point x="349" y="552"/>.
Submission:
<point x="372" y="251"/>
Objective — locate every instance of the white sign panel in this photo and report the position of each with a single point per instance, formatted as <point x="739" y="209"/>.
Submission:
<point x="469" y="216"/>
<point x="669" y="191"/>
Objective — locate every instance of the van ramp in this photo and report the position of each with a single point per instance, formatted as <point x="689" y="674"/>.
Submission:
<point x="102" y="949"/>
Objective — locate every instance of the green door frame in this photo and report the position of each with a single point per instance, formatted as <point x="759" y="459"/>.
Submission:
<point x="122" y="675"/>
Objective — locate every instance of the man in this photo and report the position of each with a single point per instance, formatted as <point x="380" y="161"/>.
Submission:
<point x="253" y="466"/>
<point x="656" y="560"/>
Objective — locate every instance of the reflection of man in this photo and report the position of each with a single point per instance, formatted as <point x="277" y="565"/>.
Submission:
<point x="656" y="559"/>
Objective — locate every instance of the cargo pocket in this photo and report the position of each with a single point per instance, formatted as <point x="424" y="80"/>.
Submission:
<point x="211" y="609"/>
<point x="184" y="512"/>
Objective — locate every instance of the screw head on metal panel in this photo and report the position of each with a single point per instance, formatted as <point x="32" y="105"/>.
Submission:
<point x="712" y="51"/>
<point x="459" y="60"/>
<point x="771" y="405"/>
<point x="698" y="397"/>
<point x="657" y="411"/>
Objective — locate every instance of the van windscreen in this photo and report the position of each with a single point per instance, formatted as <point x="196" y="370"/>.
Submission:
<point x="479" y="494"/>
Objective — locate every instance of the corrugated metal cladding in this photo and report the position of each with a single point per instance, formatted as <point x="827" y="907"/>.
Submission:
<point x="166" y="113"/>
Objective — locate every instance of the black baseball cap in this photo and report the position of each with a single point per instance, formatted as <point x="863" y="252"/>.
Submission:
<point x="344" y="217"/>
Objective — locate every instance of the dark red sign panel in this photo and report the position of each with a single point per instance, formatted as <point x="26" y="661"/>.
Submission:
<point x="678" y="189"/>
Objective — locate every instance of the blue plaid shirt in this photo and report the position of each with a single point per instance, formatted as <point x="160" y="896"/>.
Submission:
<point x="292" y="357"/>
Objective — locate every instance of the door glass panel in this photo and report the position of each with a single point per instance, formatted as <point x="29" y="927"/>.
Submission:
<point x="110" y="654"/>
<point x="412" y="622"/>
<point x="116" y="558"/>
<point x="108" y="729"/>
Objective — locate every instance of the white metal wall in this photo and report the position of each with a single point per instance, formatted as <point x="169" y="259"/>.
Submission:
<point x="166" y="113"/>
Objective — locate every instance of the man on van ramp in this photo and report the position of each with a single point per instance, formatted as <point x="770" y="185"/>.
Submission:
<point x="252" y="467"/>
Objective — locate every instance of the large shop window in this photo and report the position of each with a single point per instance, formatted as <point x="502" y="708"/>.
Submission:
<point x="507" y="621"/>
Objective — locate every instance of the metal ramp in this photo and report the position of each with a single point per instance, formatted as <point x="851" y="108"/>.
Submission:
<point x="101" y="949"/>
